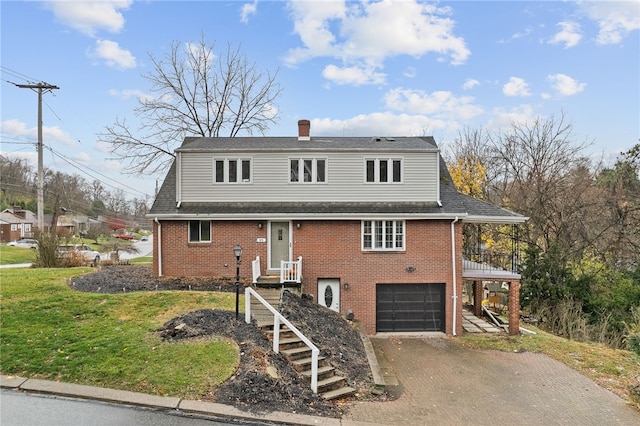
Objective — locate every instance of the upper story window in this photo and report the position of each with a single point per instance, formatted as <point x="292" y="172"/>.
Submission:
<point x="383" y="170"/>
<point x="199" y="231"/>
<point x="232" y="170"/>
<point x="383" y="235"/>
<point x="307" y="170"/>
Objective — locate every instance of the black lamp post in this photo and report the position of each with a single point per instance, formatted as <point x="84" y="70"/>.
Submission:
<point x="237" y="250"/>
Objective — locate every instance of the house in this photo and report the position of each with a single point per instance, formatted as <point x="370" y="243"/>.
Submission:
<point x="16" y="223"/>
<point x="369" y="226"/>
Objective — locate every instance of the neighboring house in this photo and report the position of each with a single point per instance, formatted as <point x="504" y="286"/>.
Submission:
<point x="371" y="227"/>
<point x="16" y="223"/>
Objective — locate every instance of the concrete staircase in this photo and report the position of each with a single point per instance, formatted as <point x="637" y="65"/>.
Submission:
<point x="330" y="384"/>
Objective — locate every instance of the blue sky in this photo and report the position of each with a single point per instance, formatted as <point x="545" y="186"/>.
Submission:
<point x="353" y="68"/>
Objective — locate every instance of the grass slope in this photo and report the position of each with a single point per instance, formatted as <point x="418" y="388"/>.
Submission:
<point x="52" y="332"/>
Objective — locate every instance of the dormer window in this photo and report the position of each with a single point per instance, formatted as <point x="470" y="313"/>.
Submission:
<point x="232" y="170"/>
<point x="383" y="170"/>
<point x="307" y="170"/>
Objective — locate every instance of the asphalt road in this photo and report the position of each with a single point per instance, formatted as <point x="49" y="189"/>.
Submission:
<point x="20" y="409"/>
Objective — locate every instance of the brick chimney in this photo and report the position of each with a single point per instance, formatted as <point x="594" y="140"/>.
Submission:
<point x="304" y="128"/>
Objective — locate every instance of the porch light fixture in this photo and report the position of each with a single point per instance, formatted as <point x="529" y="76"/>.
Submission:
<point x="259" y="225"/>
<point x="298" y="225"/>
<point x="411" y="268"/>
<point x="346" y="286"/>
<point x="237" y="251"/>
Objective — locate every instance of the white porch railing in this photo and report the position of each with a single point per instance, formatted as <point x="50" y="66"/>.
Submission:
<point x="277" y="320"/>
<point x="255" y="269"/>
<point x="291" y="271"/>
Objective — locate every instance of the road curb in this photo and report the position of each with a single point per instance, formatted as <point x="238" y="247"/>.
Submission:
<point x="202" y="408"/>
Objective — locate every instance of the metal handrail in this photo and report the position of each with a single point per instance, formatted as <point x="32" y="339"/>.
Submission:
<point x="277" y="319"/>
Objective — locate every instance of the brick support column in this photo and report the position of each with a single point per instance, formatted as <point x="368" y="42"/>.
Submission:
<point x="477" y="298"/>
<point x="514" y="308"/>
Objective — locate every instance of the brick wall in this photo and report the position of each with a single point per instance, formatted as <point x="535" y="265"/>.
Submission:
<point x="329" y="249"/>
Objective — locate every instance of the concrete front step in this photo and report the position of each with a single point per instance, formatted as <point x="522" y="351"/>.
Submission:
<point x="324" y="372"/>
<point x="331" y="383"/>
<point x="337" y="393"/>
<point x="302" y="364"/>
<point x="296" y="353"/>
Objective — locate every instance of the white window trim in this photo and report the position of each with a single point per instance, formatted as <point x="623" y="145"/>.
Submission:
<point x="314" y="170"/>
<point x="225" y="172"/>
<point x="373" y="248"/>
<point x="376" y="170"/>
<point x="200" y="240"/>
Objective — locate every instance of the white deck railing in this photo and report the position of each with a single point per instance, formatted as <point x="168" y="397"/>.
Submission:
<point x="277" y="320"/>
<point x="255" y="269"/>
<point x="291" y="271"/>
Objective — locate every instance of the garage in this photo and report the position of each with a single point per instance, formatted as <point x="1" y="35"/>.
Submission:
<point x="410" y="307"/>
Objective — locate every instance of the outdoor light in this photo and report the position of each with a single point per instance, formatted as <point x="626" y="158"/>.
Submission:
<point x="298" y="225"/>
<point x="237" y="251"/>
<point x="259" y="225"/>
<point x="346" y="286"/>
<point x="411" y="268"/>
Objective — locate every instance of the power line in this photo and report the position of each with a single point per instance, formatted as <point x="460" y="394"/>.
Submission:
<point x="80" y="167"/>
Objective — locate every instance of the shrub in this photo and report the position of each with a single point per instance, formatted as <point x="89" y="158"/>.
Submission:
<point x="633" y="343"/>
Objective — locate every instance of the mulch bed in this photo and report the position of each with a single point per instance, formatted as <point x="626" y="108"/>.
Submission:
<point x="251" y="388"/>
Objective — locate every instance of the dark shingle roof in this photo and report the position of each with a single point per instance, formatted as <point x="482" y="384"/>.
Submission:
<point x="292" y="144"/>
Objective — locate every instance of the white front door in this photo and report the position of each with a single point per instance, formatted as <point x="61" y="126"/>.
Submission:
<point x="279" y="244"/>
<point x="329" y="293"/>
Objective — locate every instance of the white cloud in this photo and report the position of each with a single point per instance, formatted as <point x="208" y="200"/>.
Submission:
<point x="113" y="55"/>
<point x="470" y="83"/>
<point x="247" y="10"/>
<point x="50" y="135"/>
<point x="516" y="87"/>
<point x="439" y="103"/>
<point x="565" y="85"/>
<point x="570" y="34"/>
<point x="127" y="94"/>
<point x="616" y="19"/>
<point x="88" y="17"/>
<point x="352" y="75"/>
<point x="365" y="34"/>
<point x="503" y="119"/>
<point x="381" y="124"/>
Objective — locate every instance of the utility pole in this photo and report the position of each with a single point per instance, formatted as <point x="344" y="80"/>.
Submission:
<point x="41" y="88"/>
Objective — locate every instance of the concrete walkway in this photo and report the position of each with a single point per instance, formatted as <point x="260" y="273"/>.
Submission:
<point x="436" y="381"/>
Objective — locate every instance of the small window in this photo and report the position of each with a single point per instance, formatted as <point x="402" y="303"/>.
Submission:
<point x="307" y="170"/>
<point x="382" y="170"/>
<point x="232" y="170"/>
<point x="199" y="231"/>
<point x="383" y="235"/>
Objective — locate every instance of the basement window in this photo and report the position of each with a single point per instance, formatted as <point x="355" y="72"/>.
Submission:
<point x="199" y="231"/>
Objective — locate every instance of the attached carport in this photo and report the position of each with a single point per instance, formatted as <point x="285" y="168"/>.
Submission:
<point x="480" y="273"/>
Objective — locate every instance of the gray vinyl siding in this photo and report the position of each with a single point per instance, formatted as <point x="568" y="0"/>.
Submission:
<point x="345" y="179"/>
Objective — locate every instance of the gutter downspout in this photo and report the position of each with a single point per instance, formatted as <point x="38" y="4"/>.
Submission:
<point x="455" y="274"/>
<point x="159" y="246"/>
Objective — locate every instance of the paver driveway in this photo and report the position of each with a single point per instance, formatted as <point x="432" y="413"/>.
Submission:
<point x="442" y="383"/>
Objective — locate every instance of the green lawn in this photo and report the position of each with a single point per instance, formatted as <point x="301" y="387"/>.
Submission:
<point x="52" y="332"/>
<point x="11" y="255"/>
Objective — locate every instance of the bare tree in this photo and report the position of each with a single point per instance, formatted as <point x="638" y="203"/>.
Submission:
<point x="544" y="175"/>
<point x="195" y="93"/>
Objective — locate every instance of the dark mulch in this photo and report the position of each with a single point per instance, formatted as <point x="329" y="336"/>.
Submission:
<point x="251" y="388"/>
